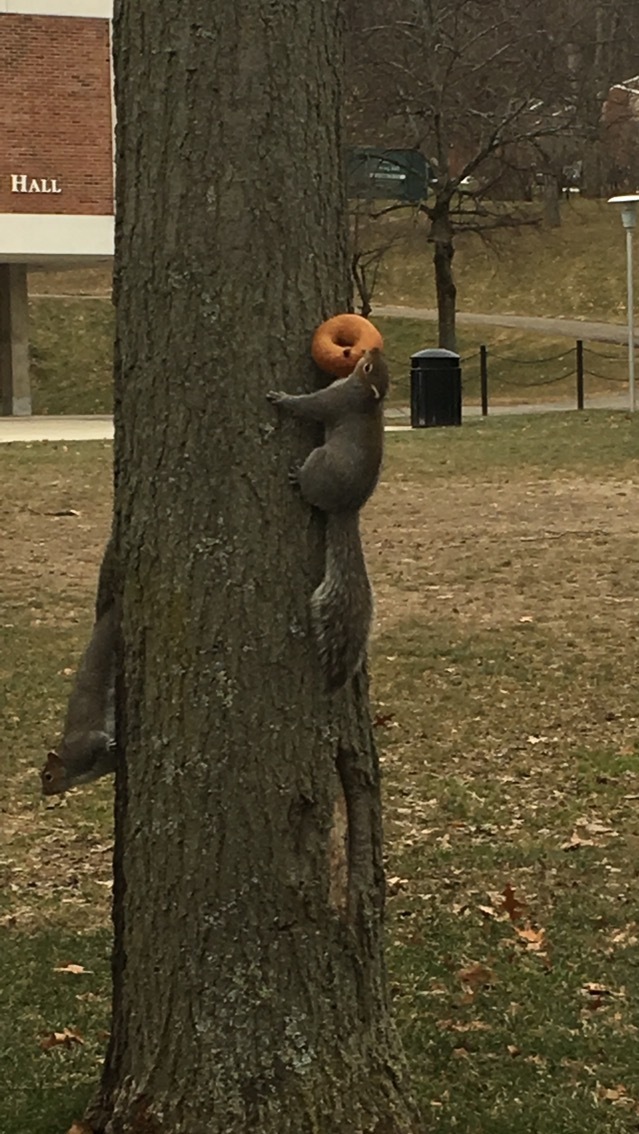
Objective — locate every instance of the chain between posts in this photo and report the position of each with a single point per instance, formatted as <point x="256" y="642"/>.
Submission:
<point x="580" y="370"/>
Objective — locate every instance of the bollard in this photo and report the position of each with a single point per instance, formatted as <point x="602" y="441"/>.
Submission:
<point x="435" y="388"/>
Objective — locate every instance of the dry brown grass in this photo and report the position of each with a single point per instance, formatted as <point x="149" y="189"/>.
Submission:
<point x="504" y="557"/>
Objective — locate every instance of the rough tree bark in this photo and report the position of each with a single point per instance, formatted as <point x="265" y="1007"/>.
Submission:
<point x="249" y="986"/>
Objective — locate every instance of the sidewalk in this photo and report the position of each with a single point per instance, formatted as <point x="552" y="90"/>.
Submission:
<point x="100" y="427"/>
<point x="399" y="416"/>
<point x="84" y="427"/>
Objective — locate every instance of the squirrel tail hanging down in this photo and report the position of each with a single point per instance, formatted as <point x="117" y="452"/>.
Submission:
<point x="342" y="605"/>
<point x="338" y="477"/>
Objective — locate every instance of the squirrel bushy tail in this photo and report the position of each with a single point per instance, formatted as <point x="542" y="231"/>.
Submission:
<point x="342" y="605"/>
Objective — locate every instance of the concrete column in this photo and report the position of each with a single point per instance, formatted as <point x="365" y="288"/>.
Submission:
<point x="15" y="387"/>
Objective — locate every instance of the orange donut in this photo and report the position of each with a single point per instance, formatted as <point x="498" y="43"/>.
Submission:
<point x="339" y="343"/>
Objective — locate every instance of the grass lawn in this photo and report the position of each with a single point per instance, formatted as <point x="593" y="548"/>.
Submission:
<point x="504" y="556"/>
<point x="577" y="270"/>
<point x="71" y="350"/>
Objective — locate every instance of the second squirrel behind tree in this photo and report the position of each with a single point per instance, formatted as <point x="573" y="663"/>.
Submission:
<point x="338" y="477"/>
<point x="87" y="750"/>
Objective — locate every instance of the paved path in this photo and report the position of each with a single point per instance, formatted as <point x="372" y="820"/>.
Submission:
<point x="84" y="427"/>
<point x="69" y="295"/>
<point x="99" y="427"/>
<point x="571" y="328"/>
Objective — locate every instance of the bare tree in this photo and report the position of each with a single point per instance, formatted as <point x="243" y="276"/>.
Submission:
<point x="249" y="984"/>
<point x="477" y="87"/>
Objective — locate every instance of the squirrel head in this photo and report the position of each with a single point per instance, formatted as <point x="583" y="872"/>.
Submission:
<point x="372" y="371"/>
<point x="53" y="775"/>
<point x="83" y="758"/>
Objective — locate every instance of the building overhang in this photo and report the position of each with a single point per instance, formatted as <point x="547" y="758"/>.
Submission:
<point x="91" y="9"/>
<point x="46" y="238"/>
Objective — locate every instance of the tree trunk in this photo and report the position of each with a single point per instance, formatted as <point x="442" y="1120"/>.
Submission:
<point x="249" y="985"/>
<point x="552" y="211"/>
<point x="441" y="233"/>
<point x="595" y="166"/>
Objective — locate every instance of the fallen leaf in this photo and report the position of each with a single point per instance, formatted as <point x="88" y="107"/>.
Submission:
<point x="534" y="939"/>
<point x="489" y="911"/>
<point x="612" y="1094"/>
<point x="476" y="975"/>
<point x="596" y="990"/>
<point x="463" y="1026"/>
<point x="71" y="969"/>
<point x="66" y="1038"/>
<point x="513" y="1050"/>
<point x="460" y="907"/>
<point x="625" y="937"/>
<point x="382" y="720"/>
<point x="575" y="842"/>
<point x="395" y="884"/>
<point x="511" y="905"/>
<point x="595" y="827"/>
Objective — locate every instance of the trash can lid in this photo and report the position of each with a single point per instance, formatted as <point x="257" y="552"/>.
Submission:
<point x="435" y="352"/>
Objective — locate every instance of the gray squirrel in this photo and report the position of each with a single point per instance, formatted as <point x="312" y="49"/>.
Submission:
<point x="338" y="477"/>
<point x="87" y="750"/>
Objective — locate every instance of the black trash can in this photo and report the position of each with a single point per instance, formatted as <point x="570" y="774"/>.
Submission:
<point x="435" y="388"/>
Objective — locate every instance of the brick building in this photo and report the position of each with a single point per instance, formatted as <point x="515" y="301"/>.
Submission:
<point x="56" y="158"/>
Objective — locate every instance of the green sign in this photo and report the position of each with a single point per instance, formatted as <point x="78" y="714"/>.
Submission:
<point x="398" y="175"/>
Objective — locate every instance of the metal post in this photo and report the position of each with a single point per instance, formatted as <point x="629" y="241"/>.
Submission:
<point x="628" y="205"/>
<point x="580" y="374"/>
<point x="483" y="377"/>
<point x="631" y="322"/>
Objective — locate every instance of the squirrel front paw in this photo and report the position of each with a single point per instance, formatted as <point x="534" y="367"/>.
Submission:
<point x="275" y="396"/>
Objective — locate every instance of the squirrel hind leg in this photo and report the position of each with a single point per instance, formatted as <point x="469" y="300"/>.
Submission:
<point x="321" y="483"/>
